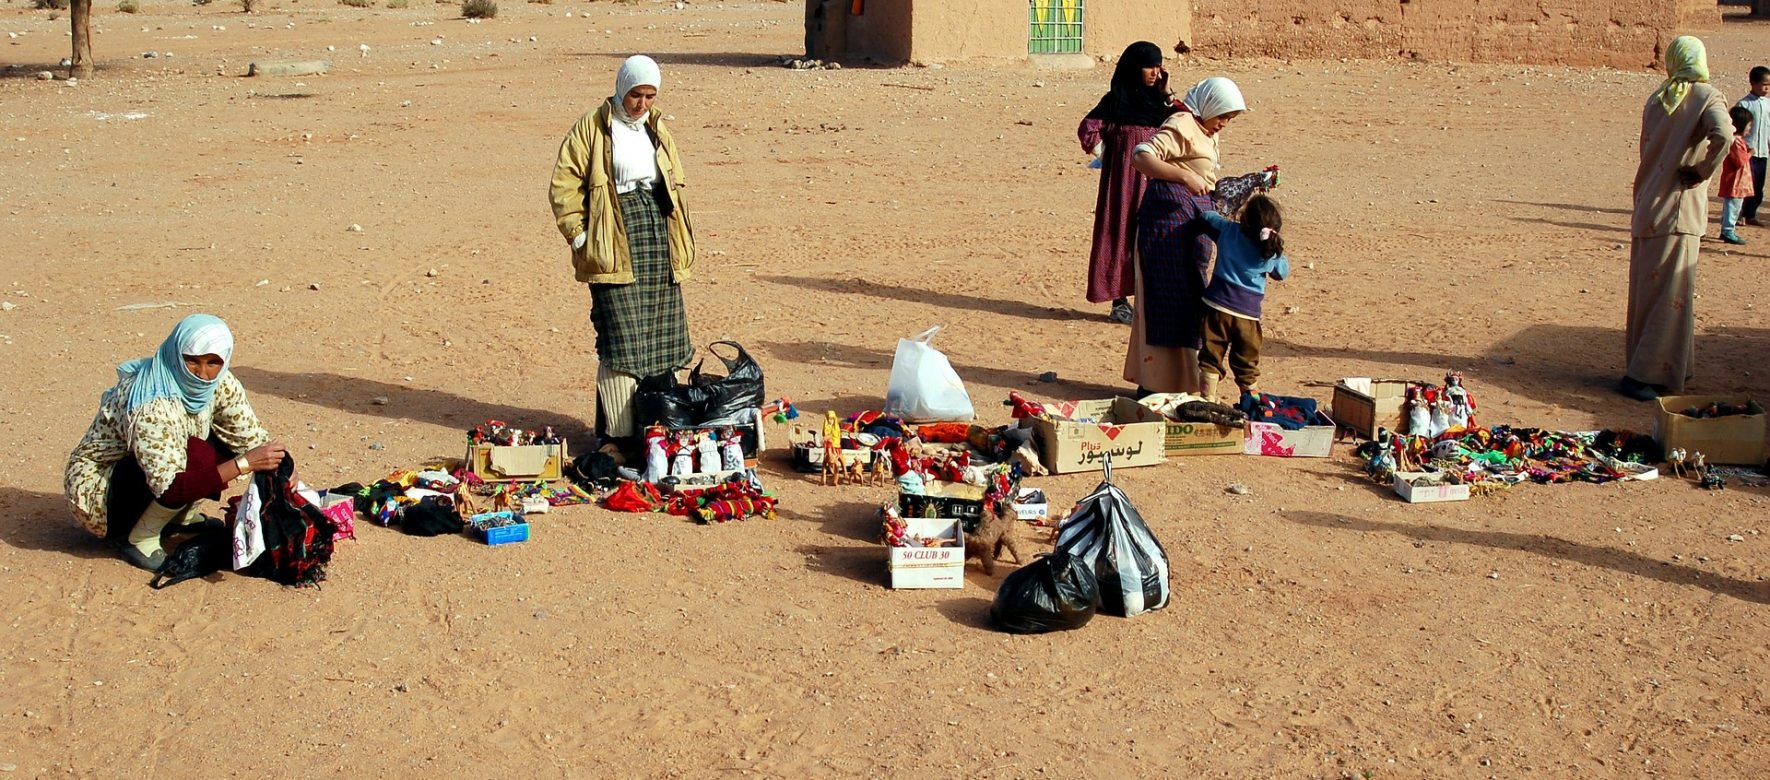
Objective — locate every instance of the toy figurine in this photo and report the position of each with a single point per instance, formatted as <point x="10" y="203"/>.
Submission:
<point x="1459" y="415"/>
<point x="1419" y="415"/>
<point x="832" y="473"/>
<point x="656" y="459"/>
<point x="1458" y="395"/>
<point x="1440" y="418"/>
<point x="1699" y="465"/>
<point x="1381" y="466"/>
<point x="731" y="449"/>
<point x="708" y="449"/>
<point x="781" y="410"/>
<point x="1675" y="461"/>
<point x="683" y="463"/>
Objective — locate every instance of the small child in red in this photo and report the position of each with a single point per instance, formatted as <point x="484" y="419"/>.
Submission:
<point x="1736" y="177"/>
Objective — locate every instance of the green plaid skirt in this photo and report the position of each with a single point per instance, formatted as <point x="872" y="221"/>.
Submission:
<point x="642" y="328"/>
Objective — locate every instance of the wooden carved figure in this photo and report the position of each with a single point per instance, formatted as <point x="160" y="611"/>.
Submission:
<point x="1675" y="461"/>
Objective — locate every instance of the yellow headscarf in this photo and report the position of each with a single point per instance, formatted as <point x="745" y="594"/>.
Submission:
<point x="1687" y="62"/>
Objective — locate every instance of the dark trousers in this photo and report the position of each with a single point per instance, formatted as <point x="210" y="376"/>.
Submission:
<point x="1231" y="343"/>
<point x="1751" y="204"/>
<point x="129" y="488"/>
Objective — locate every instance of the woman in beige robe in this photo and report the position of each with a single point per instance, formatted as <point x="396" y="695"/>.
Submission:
<point x="1671" y="213"/>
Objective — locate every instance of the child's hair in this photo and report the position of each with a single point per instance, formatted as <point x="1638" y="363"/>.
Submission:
<point x="1262" y="212"/>
<point x="1741" y="117"/>
<point x="1760" y="73"/>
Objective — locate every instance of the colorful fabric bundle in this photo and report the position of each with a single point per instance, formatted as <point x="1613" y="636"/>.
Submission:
<point x="1288" y="412"/>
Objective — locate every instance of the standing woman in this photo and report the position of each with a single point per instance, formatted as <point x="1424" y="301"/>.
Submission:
<point x="1671" y="214"/>
<point x="1172" y="256"/>
<point x="617" y="193"/>
<point x="1127" y="116"/>
<point x="165" y="437"/>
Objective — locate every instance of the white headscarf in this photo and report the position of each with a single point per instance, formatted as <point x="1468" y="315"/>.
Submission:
<point x="1214" y="97"/>
<point x="637" y="71"/>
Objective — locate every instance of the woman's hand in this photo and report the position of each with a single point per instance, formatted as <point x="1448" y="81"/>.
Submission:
<point x="1193" y="182"/>
<point x="266" y="457"/>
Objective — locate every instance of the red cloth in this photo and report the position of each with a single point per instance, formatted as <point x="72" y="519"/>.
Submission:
<point x="1115" y="207"/>
<point x="1736" y="175"/>
<point x="129" y="489"/>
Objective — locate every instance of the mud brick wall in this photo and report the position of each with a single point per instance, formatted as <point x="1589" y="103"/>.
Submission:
<point x="1615" y="33"/>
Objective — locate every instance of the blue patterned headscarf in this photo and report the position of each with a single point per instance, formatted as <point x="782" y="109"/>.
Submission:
<point x="164" y="375"/>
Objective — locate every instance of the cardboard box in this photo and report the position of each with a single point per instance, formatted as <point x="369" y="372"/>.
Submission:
<point x="945" y="500"/>
<point x="493" y="463"/>
<point x="1031" y="504"/>
<point x="750" y="437"/>
<point x="1363" y="405"/>
<point x="929" y="567"/>
<point x="1081" y="434"/>
<point x="1311" y="441"/>
<point x="1432" y="490"/>
<point x="1736" y="440"/>
<point x="1193" y="438"/>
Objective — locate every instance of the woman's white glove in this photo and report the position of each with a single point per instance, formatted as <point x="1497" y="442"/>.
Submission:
<point x="578" y="243"/>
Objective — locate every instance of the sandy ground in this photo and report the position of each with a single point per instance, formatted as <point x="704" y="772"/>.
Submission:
<point x="1466" y="217"/>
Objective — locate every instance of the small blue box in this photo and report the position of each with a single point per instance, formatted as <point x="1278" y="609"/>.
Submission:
<point x="499" y="528"/>
<point x="506" y="534"/>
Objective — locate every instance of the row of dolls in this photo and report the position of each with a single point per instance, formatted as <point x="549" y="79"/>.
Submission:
<point x="1431" y="411"/>
<point x="691" y="451"/>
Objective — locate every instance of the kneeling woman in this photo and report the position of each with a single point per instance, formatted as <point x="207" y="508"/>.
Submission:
<point x="166" y="436"/>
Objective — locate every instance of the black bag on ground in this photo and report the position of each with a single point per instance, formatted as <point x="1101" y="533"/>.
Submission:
<point x="1053" y="593"/>
<point x="297" y="537"/>
<point x="431" y="517"/>
<point x="1107" y="535"/>
<point x="705" y="400"/>
<point x="210" y="551"/>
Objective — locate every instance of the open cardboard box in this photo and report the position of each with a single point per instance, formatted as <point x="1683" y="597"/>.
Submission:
<point x="1736" y="440"/>
<point x="929" y="567"/>
<point x="528" y="463"/>
<point x="1311" y="441"/>
<point x="1192" y="438"/>
<point x="1081" y="435"/>
<point x="1431" y="489"/>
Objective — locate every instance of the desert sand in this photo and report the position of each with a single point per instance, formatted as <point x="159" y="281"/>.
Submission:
<point x="1440" y="216"/>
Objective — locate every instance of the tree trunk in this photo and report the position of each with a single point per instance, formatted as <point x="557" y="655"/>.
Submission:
<point x="80" y="17"/>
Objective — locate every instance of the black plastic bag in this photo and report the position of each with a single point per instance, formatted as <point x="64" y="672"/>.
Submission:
<point x="733" y="398"/>
<point x="706" y="400"/>
<point x="1108" y="537"/>
<point x="660" y="400"/>
<point x="431" y="516"/>
<point x="1053" y="593"/>
<point x="210" y="551"/>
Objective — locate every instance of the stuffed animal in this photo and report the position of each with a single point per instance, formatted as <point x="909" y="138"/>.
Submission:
<point x="994" y="532"/>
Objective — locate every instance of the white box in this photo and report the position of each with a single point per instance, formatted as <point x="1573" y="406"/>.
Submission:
<point x="1427" y="494"/>
<point x="929" y="567"/>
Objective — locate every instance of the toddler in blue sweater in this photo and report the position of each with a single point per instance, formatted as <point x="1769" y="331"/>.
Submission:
<point x="1248" y="253"/>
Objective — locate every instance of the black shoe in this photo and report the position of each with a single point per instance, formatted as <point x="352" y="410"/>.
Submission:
<point x="144" y="562"/>
<point x="1122" y="313"/>
<point x="1640" y="391"/>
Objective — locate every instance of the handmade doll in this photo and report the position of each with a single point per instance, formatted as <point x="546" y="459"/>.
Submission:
<point x="1459" y="414"/>
<point x="683" y="465"/>
<point x="1459" y="396"/>
<point x="1440" y="421"/>
<point x="656" y="458"/>
<point x="708" y="449"/>
<point x="731" y="449"/>
<point x="1419" y="414"/>
<point x="1382" y="462"/>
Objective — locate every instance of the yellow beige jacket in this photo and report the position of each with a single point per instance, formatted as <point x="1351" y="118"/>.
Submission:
<point x="583" y="195"/>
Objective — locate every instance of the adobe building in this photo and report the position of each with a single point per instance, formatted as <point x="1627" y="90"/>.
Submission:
<point x="1616" y="33"/>
<point x="895" y="32"/>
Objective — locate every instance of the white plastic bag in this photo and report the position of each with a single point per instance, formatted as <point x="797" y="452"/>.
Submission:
<point x="923" y="386"/>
